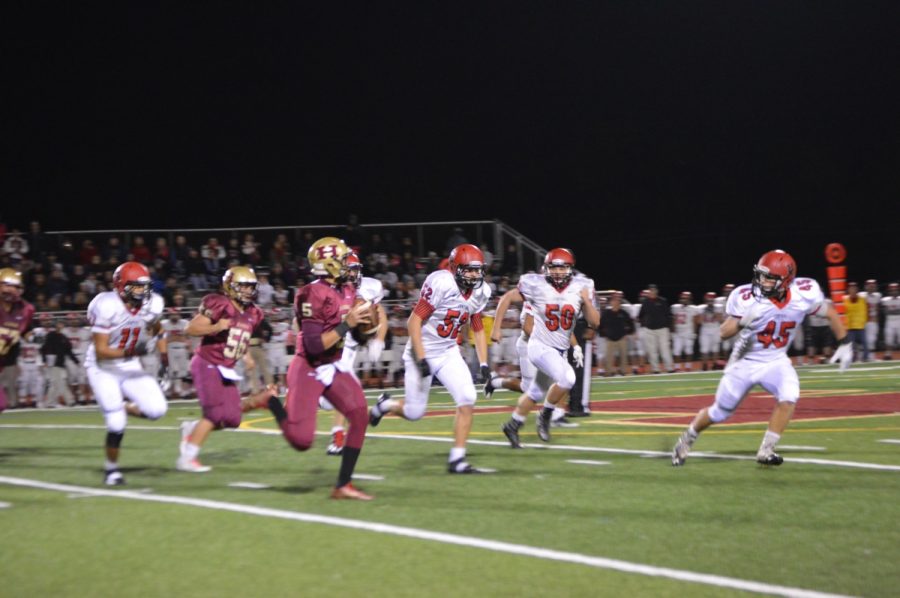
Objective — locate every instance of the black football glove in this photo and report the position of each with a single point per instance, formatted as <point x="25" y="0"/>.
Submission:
<point x="423" y="368"/>
<point x="485" y="373"/>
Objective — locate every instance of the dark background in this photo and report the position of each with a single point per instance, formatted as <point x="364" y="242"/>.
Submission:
<point x="667" y="142"/>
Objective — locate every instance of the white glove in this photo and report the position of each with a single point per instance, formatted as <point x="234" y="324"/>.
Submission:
<point x="375" y="347"/>
<point x="752" y="314"/>
<point x="844" y="354"/>
<point x="578" y="356"/>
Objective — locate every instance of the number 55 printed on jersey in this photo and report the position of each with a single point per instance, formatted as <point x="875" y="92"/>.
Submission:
<point x="236" y="345"/>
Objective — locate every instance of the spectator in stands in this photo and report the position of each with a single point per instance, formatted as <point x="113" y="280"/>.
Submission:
<point x="213" y="260"/>
<point x="15" y="247"/>
<point x="161" y="252"/>
<point x="280" y="294"/>
<point x="233" y="253"/>
<point x="250" y="251"/>
<point x="67" y="255"/>
<point x="456" y="238"/>
<point x="280" y="250"/>
<point x="195" y="269"/>
<point x="265" y="292"/>
<point x="87" y="253"/>
<point x="179" y="255"/>
<point x="353" y="236"/>
<point x="616" y="325"/>
<point x="57" y="285"/>
<point x="37" y="286"/>
<point x="655" y="320"/>
<point x="857" y="315"/>
<point x="169" y="290"/>
<point x="36" y="240"/>
<point x="114" y="250"/>
<point x="140" y="252"/>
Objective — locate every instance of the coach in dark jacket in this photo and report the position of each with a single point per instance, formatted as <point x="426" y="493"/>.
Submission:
<point x="615" y="325"/>
<point x="655" y="318"/>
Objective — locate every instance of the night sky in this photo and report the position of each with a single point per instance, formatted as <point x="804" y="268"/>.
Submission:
<point x="667" y="142"/>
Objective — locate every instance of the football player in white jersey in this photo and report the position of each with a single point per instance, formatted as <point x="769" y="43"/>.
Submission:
<point x="725" y="343"/>
<point x="557" y="297"/>
<point x="873" y="302"/>
<point x="527" y="370"/>
<point x="31" y="377"/>
<point x="450" y="298"/>
<point x="891" y="307"/>
<point x="178" y="352"/>
<point x="124" y="324"/>
<point x="764" y="316"/>
<point x="372" y="290"/>
<point x="685" y="329"/>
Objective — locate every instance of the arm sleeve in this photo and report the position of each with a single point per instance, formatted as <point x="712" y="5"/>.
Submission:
<point x="477" y="324"/>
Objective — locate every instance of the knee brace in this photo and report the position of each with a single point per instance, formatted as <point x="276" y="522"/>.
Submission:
<point x="114" y="439"/>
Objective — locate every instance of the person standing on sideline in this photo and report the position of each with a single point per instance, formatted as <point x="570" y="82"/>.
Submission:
<point x="655" y="321"/>
<point x="857" y="311"/>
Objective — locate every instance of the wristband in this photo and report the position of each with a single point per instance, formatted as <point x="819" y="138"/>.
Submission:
<point x="342" y="329"/>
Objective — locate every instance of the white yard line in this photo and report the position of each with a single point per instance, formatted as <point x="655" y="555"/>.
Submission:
<point x="445" y="440"/>
<point x="444" y="538"/>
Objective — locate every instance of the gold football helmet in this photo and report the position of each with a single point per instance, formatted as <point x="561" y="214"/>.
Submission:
<point x="11" y="286"/>
<point x="239" y="283"/>
<point x="328" y="257"/>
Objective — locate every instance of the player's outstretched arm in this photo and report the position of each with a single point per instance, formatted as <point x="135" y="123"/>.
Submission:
<point x="507" y="298"/>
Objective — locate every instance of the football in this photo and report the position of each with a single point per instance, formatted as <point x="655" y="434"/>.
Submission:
<point x="372" y="327"/>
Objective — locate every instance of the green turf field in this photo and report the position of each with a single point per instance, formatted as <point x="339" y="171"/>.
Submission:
<point x="597" y="512"/>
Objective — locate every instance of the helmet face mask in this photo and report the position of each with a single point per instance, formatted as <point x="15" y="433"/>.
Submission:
<point x="773" y="274"/>
<point x="132" y="282"/>
<point x="239" y="284"/>
<point x="328" y="258"/>
<point x="354" y="270"/>
<point x="11" y="286"/>
<point x="466" y="262"/>
<point x="559" y="267"/>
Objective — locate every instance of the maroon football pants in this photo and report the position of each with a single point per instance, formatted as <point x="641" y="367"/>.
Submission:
<point x="304" y="391"/>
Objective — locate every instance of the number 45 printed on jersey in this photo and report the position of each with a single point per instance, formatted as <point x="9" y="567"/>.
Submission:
<point x="769" y="337"/>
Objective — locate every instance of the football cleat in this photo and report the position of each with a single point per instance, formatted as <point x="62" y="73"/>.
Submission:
<point x="489" y="386"/>
<point x="191" y="466"/>
<point x="463" y="466"/>
<point x="337" y="443"/>
<point x="773" y="459"/>
<point x="375" y="413"/>
<point x="511" y="429"/>
<point x="543" y="428"/>
<point x="562" y="422"/>
<point x="187" y="428"/>
<point x="347" y="491"/>
<point x="682" y="448"/>
<point x="114" y="477"/>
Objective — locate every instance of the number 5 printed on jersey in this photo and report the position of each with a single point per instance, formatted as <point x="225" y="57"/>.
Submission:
<point x="559" y="316"/>
<point x="452" y="323"/>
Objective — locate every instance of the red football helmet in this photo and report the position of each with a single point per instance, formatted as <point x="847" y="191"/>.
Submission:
<point x="553" y="261"/>
<point x="709" y="296"/>
<point x="128" y="279"/>
<point x="467" y="264"/>
<point x="774" y="273"/>
<point x="354" y="265"/>
<point x="686" y="297"/>
<point x="871" y="286"/>
<point x="894" y="288"/>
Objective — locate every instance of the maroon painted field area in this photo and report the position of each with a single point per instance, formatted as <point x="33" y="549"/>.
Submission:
<point x="756" y="407"/>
